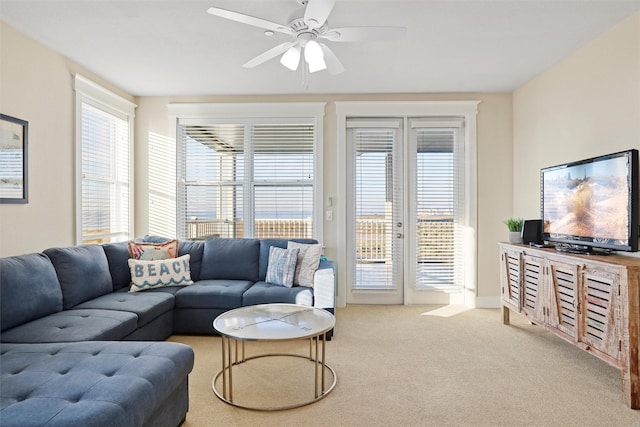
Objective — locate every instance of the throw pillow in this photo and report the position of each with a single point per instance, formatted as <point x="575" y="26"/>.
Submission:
<point x="149" y="251"/>
<point x="159" y="273"/>
<point x="282" y="266"/>
<point x="308" y="261"/>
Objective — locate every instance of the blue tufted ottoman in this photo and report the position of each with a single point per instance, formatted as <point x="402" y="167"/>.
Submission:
<point x="94" y="383"/>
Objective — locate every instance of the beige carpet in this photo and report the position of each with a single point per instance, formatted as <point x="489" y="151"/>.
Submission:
<point x="420" y="366"/>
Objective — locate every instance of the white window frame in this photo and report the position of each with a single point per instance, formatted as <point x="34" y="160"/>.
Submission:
<point x="267" y="110"/>
<point x="91" y="93"/>
<point x="466" y="109"/>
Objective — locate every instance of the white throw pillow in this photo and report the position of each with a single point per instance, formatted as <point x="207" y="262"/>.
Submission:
<point x="308" y="261"/>
<point x="156" y="274"/>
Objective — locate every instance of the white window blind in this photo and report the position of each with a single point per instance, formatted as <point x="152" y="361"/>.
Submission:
<point x="283" y="180"/>
<point x="104" y="135"/>
<point x="377" y="203"/>
<point x="251" y="178"/>
<point x="439" y="199"/>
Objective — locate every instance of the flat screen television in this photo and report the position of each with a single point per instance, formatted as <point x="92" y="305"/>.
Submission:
<point x="591" y="205"/>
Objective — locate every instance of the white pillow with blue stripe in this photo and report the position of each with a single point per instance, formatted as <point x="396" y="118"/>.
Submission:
<point x="282" y="266"/>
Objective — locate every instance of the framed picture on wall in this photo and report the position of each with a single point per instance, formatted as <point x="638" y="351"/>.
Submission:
<point x="13" y="160"/>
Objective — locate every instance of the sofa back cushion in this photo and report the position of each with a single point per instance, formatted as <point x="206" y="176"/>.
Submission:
<point x="265" y="246"/>
<point x="83" y="273"/>
<point x="118" y="258"/>
<point x="29" y="288"/>
<point x="195" y="250"/>
<point x="233" y="259"/>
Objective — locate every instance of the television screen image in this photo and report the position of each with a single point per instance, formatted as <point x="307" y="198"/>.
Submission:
<point x="591" y="202"/>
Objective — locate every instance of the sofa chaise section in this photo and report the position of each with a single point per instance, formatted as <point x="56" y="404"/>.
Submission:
<point x="124" y="384"/>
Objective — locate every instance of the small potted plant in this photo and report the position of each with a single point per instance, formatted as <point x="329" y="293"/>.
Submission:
<point x="515" y="229"/>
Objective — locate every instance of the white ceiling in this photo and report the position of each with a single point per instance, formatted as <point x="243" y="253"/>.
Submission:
<point x="174" y="47"/>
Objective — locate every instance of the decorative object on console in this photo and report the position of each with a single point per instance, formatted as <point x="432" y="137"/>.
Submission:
<point x="515" y="229"/>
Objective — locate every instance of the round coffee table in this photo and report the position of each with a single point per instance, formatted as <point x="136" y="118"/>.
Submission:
<point x="273" y="322"/>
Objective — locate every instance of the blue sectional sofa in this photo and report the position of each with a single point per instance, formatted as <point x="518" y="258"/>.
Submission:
<point x="75" y="343"/>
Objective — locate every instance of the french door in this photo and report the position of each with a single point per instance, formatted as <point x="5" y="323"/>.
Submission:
<point x="406" y="210"/>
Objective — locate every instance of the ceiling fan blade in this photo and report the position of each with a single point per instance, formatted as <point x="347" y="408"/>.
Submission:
<point x="249" y="20"/>
<point x="317" y="12"/>
<point x="334" y="66"/>
<point x="364" y="34"/>
<point x="269" y="54"/>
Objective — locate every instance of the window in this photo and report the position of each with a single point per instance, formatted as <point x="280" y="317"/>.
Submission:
<point x="248" y="177"/>
<point x="104" y="129"/>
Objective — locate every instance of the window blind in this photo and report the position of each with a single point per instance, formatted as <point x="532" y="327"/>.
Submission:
<point x="252" y="178"/>
<point x="377" y="203"/>
<point x="104" y="135"/>
<point x="439" y="199"/>
<point x="105" y="176"/>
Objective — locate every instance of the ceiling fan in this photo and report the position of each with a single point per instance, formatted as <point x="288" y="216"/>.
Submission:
<point x="309" y="28"/>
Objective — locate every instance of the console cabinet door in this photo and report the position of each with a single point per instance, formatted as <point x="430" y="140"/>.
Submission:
<point x="600" y="310"/>
<point x="562" y="312"/>
<point x="510" y="277"/>
<point x="533" y="284"/>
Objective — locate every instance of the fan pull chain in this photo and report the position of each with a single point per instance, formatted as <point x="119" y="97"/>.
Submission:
<point x="305" y="75"/>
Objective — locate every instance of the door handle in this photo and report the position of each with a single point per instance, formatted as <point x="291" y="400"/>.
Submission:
<point x="399" y="235"/>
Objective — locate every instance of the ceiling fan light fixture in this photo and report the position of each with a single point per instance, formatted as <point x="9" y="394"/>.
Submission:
<point x="291" y="58"/>
<point x="317" y="65"/>
<point x="313" y="52"/>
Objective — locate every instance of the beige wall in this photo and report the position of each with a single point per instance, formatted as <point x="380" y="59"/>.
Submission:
<point x="494" y="166"/>
<point x="36" y="84"/>
<point x="584" y="106"/>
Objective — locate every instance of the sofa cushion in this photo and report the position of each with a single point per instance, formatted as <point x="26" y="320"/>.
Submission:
<point x="91" y="383"/>
<point x="146" y="305"/>
<point x="308" y="261"/>
<point x="29" y="289"/>
<point x="265" y="245"/>
<point x="235" y="259"/>
<point x="160" y="273"/>
<point x="150" y="251"/>
<point x="83" y="272"/>
<point x="282" y="266"/>
<point x="212" y="294"/>
<point x="194" y="250"/>
<point x="74" y="325"/>
<point x="117" y="257"/>
<point x="265" y="293"/>
<point x="192" y="247"/>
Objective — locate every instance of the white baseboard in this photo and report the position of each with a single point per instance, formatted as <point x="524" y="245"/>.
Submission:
<point x="488" y="302"/>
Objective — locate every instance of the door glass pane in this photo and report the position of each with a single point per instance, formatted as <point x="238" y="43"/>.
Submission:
<point x="375" y="213"/>
<point x="436" y="204"/>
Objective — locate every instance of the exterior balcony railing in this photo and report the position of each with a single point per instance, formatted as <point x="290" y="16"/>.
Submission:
<point x="374" y="235"/>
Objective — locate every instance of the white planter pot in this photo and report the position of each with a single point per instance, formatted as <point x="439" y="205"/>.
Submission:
<point x="515" y="237"/>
